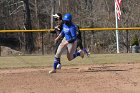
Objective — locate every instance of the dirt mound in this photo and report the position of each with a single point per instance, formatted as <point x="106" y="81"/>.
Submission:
<point x="6" y="51"/>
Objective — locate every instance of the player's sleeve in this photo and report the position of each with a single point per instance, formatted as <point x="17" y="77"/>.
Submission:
<point x="62" y="33"/>
<point x="73" y="34"/>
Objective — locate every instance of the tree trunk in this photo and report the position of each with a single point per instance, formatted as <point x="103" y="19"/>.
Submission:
<point x="28" y="25"/>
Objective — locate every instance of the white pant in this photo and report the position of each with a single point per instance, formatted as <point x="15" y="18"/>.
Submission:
<point x="71" y="48"/>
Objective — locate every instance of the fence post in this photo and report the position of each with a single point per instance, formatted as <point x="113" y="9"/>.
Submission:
<point x="127" y="44"/>
<point x="42" y="44"/>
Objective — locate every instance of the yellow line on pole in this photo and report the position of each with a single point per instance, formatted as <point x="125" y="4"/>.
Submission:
<point x="13" y="31"/>
<point x="82" y="29"/>
<point x="89" y="29"/>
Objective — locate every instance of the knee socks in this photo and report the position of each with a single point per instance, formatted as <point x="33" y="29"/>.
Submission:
<point x="56" y="62"/>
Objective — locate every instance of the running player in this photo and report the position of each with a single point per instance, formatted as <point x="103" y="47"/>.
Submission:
<point x="69" y="42"/>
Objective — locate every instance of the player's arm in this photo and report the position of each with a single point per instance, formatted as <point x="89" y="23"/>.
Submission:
<point x="56" y="29"/>
<point x="59" y="36"/>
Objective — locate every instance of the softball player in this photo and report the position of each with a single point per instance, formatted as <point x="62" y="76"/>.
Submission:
<point x="58" y="28"/>
<point x="69" y="42"/>
<point x="79" y="42"/>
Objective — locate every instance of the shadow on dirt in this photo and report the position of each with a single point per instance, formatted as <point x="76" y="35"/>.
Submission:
<point x="101" y="68"/>
<point x="104" y="69"/>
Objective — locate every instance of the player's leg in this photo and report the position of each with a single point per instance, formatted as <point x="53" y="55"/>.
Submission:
<point x="71" y="54"/>
<point x="57" y="45"/>
<point x="57" y="56"/>
<point x="81" y="47"/>
<point x="86" y="51"/>
<point x="71" y="48"/>
<point x="80" y="44"/>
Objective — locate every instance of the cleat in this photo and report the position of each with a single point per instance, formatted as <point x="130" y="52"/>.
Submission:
<point x="88" y="54"/>
<point x="81" y="54"/>
<point x="86" y="51"/>
<point x="52" y="71"/>
<point x="59" y="66"/>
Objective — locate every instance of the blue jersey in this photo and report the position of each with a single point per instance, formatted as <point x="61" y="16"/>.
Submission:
<point x="69" y="32"/>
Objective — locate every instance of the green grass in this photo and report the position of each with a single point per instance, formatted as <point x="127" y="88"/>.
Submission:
<point x="47" y="60"/>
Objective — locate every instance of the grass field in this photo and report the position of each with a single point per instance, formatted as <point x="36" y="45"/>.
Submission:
<point x="47" y="60"/>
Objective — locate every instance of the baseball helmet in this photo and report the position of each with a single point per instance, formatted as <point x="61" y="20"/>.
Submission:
<point x="67" y="17"/>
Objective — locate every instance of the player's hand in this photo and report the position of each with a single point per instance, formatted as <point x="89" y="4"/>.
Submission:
<point x="58" y="37"/>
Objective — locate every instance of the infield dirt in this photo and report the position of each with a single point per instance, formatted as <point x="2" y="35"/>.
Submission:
<point x="105" y="78"/>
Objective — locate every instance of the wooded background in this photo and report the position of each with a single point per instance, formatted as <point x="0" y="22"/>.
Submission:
<point x="36" y="14"/>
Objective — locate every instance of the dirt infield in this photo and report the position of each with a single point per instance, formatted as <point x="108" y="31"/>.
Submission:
<point x="107" y="78"/>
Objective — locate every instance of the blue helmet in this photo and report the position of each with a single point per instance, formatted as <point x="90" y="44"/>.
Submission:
<point x="67" y="17"/>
